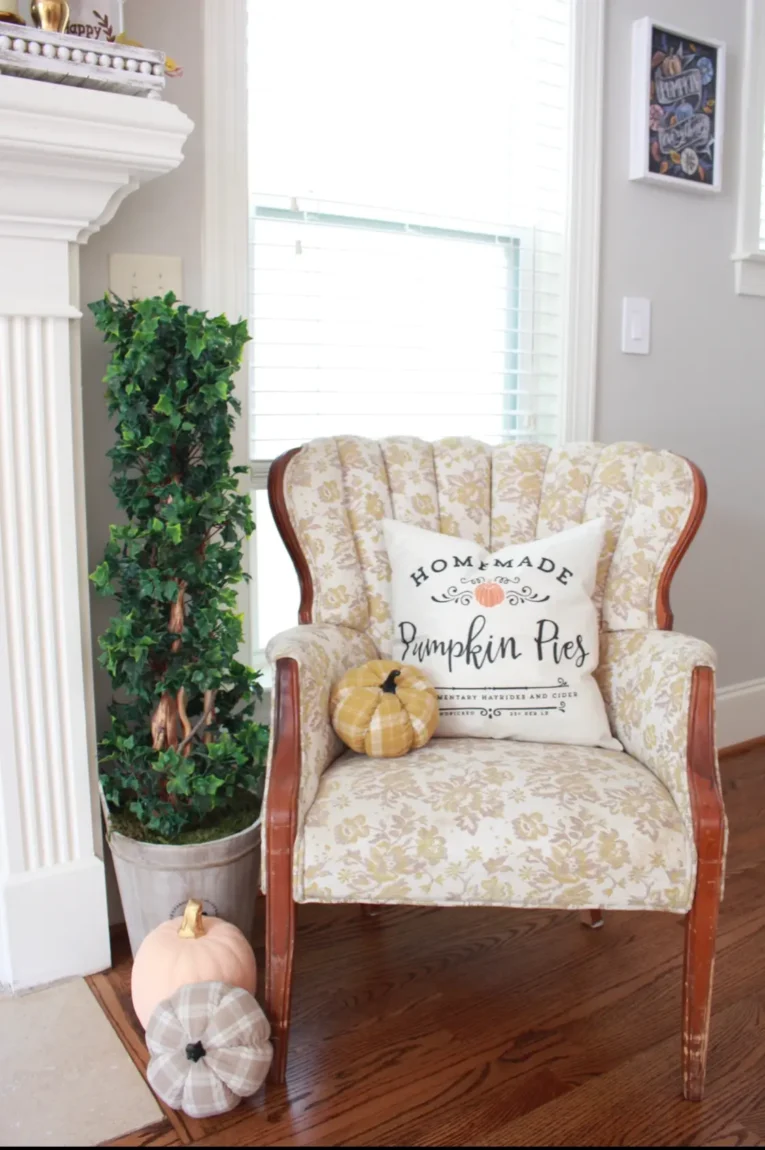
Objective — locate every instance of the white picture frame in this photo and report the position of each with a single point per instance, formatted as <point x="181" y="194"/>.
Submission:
<point x="677" y="108"/>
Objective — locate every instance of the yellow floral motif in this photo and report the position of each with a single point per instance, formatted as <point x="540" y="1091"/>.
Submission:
<point x="530" y="826"/>
<point x="430" y="846"/>
<point x="424" y="504"/>
<point x="374" y="507"/>
<point x="328" y="492"/>
<point x="336" y="597"/>
<point x="612" y="849"/>
<point x="351" y="830"/>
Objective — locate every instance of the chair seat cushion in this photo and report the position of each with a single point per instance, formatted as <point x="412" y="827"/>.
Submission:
<point x="488" y="823"/>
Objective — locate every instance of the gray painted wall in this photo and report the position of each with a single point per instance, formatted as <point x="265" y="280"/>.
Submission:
<point x="700" y="391"/>
<point x="162" y="218"/>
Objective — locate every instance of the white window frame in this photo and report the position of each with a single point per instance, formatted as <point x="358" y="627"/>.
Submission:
<point x="225" y="238"/>
<point x="748" y="257"/>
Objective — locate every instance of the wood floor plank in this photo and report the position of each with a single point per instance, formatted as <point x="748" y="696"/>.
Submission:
<point x="474" y="1026"/>
<point x="158" y="1134"/>
<point x="639" y="1103"/>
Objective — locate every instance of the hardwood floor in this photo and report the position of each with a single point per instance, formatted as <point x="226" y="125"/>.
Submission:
<point x="506" y="1028"/>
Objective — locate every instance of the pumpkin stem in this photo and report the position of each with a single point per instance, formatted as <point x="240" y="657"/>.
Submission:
<point x="192" y="925"/>
<point x="389" y="686"/>
<point x="195" y="1051"/>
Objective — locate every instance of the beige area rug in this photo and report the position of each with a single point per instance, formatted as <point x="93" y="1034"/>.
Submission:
<point x="65" y="1078"/>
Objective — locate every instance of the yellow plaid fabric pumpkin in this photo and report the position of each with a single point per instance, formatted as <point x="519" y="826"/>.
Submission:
<point x="384" y="708"/>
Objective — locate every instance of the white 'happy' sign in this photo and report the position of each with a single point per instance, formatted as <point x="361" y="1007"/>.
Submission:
<point x="91" y="19"/>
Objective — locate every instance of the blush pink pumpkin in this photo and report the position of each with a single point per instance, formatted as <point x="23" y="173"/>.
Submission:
<point x="185" y="950"/>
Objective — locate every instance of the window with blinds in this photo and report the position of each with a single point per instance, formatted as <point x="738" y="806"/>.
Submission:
<point x="409" y="169"/>
<point x="409" y="174"/>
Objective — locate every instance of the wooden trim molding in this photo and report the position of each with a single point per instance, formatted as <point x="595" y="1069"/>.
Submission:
<point x="701" y="923"/>
<point x="741" y="748"/>
<point x="664" y="617"/>
<point x="278" y="503"/>
<point x="281" y="828"/>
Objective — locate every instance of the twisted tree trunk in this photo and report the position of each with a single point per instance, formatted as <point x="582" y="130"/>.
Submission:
<point x="164" y="721"/>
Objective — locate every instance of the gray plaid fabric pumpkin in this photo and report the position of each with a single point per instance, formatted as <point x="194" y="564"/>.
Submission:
<point x="209" y="1047"/>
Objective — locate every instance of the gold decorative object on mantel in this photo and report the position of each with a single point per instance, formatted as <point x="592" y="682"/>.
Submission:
<point x="10" y="15"/>
<point x="50" y="15"/>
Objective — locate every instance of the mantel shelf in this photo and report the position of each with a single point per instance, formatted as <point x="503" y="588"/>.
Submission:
<point x="69" y="156"/>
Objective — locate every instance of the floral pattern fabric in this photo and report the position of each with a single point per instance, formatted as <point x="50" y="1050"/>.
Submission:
<point x="315" y="497"/>
<point x="323" y="654"/>
<point x="479" y="822"/>
<point x="645" y="678"/>
<point x="339" y="490"/>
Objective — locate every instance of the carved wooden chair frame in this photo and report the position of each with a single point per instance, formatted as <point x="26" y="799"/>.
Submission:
<point x="706" y="799"/>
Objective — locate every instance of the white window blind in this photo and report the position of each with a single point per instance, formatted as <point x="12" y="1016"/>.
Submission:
<point x="409" y="167"/>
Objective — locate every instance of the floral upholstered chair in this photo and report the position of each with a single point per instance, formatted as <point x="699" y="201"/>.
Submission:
<point x="485" y="822"/>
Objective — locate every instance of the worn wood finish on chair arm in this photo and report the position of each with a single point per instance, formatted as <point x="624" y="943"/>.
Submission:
<point x="284" y="781"/>
<point x="281" y="825"/>
<point x="278" y="503"/>
<point x="701" y="925"/>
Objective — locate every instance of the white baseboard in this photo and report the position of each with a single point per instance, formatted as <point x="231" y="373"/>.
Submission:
<point x="53" y="924"/>
<point x="740" y="712"/>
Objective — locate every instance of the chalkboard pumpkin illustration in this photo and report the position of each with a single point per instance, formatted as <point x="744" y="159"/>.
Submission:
<point x="384" y="708"/>
<point x="489" y="594"/>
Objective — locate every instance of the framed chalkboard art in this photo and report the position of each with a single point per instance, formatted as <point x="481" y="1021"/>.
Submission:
<point x="678" y="99"/>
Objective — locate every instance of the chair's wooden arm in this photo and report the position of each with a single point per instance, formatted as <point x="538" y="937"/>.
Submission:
<point x="284" y="777"/>
<point x="307" y="661"/>
<point x="659" y="692"/>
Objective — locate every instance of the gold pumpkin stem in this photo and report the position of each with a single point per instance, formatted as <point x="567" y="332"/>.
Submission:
<point x="192" y="925"/>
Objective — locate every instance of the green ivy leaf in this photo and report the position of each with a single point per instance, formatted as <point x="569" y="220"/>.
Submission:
<point x="164" y="404"/>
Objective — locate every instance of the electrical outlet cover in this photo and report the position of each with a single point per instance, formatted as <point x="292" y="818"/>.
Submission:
<point x="138" y="277"/>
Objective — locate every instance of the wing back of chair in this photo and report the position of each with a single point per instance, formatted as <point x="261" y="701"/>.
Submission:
<point x="329" y="499"/>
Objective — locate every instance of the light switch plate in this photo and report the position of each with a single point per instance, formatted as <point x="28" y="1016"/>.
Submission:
<point x="138" y="277"/>
<point x="636" y="325"/>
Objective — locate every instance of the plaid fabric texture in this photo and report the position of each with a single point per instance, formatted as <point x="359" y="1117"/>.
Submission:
<point x="234" y="1034"/>
<point x="380" y="723"/>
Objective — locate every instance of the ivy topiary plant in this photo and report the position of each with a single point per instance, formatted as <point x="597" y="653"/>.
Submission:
<point x="183" y="760"/>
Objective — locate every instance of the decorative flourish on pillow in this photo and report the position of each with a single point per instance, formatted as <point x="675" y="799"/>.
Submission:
<point x="490" y="594"/>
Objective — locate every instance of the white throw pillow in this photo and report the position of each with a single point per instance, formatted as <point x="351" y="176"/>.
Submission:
<point x="510" y="639"/>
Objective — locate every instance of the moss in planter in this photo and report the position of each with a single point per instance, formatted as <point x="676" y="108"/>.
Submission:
<point x="215" y="826"/>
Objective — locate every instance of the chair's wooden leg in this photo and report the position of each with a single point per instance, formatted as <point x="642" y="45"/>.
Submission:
<point x="700" y="940"/>
<point x="701" y="923"/>
<point x="592" y="918"/>
<point x="280" y="816"/>
<point x="280" y="950"/>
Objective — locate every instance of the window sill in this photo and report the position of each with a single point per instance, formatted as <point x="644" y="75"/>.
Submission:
<point x="750" y="273"/>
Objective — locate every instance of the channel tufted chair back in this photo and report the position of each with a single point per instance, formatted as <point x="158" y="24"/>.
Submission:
<point x="336" y="492"/>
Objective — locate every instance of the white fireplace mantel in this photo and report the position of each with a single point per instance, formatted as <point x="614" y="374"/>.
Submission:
<point x="68" y="158"/>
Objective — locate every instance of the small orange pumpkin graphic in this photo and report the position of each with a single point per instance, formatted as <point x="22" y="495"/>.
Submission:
<point x="489" y="594"/>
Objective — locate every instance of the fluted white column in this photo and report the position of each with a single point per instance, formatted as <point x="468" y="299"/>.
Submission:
<point x="68" y="157"/>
